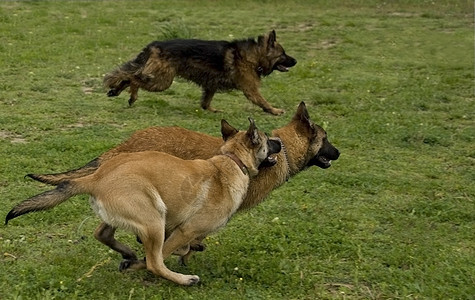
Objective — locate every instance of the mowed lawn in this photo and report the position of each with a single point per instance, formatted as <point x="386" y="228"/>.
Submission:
<point x="392" y="82"/>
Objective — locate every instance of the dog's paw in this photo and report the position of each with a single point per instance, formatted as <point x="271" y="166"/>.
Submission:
<point x="192" y="280"/>
<point x="125" y="265"/>
<point x="132" y="265"/>
<point x="275" y="111"/>
<point x="131" y="101"/>
<point x="213" y="110"/>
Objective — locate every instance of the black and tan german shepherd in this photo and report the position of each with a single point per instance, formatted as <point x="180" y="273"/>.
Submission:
<point x="214" y="65"/>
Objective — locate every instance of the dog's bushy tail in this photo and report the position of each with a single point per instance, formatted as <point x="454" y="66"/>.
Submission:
<point x="118" y="78"/>
<point x="45" y="200"/>
<point x="114" y="80"/>
<point x="57" y="178"/>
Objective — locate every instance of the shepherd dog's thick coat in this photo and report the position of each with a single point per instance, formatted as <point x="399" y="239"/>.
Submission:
<point x="214" y="65"/>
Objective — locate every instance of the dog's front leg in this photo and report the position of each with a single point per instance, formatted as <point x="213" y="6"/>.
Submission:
<point x="178" y="239"/>
<point x="252" y="93"/>
<point x="152" y="237"/>
<point x="134" y="90"/>
<point x="206" y="98"/>
<point x="195" y="246"/>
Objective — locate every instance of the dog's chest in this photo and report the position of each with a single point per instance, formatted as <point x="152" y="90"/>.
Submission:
<point x="237" y="191"/>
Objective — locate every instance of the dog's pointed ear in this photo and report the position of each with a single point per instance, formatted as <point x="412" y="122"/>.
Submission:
<point x="252" y="133"/>
<point x="302" y="112"/>
<point x="271" y="39"/>
<point x="303" y="118"/>
<point x="227" y="130"/>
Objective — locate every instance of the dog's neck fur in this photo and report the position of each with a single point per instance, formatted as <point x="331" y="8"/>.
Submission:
<point x="239" y="162"/>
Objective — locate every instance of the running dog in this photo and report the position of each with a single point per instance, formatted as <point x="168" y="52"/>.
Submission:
<point x="214" y="65"/>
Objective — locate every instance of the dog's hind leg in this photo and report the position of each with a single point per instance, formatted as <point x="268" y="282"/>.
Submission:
<point x="206" y="98"/>
<point x="105" y="234"/>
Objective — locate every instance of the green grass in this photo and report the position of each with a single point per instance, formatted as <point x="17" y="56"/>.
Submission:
<point x="391" y="81"/>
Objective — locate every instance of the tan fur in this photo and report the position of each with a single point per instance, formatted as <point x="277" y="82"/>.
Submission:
<point x="177" y="199"/>
<point x="166" y="201"/>
<point x="301" y="139"/>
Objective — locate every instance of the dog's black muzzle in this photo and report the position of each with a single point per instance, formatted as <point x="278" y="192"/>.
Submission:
<point x="325" y="155"/>
<point x="274" y="146"/>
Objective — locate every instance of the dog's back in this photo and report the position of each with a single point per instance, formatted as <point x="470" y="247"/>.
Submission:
<point x="209" y="64"/>
<point x="177" y="141"/>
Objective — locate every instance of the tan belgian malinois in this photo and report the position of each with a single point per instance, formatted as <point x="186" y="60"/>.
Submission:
<point x="166" y="201"/>
<point x="304" y="143"/>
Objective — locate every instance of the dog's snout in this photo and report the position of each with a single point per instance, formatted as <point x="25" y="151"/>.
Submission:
<point x="336" y="154"/>
<point x="292" y="61"/>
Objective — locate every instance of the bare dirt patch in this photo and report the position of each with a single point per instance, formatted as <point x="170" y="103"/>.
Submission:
<point x="14" y="138"/>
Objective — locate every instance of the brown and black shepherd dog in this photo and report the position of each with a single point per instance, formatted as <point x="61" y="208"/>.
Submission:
<point x="304" y="144"/>
<point x="214" y="65"/>
<point x="166" y="201"/>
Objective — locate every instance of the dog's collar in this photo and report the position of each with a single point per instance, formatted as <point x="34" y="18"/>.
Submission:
<point x="284" y="150"/>
<point x="238" y="162"/>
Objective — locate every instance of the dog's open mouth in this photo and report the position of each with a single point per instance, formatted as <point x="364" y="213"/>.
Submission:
<point x="272" y="159"/>
<point x="275" y="145"/>
<point x="282" y="68"/>
<point x="323" y="162"/>
<point x="268" y="162"/>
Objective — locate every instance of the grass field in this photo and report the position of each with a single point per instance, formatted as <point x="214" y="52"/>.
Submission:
<point x="391" y="81"/>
